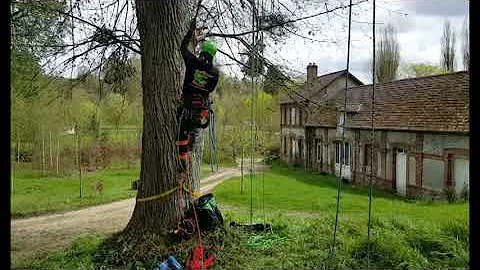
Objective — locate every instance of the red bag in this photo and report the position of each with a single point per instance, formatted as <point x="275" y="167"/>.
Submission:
<point x="196" y="261"/>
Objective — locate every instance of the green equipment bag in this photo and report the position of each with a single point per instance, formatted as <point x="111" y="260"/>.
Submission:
<point x="208" y="214"/>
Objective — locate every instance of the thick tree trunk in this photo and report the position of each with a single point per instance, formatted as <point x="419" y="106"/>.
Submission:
<point x="162" y="25"/>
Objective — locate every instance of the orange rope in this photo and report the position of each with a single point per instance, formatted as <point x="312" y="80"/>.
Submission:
<point x="196" y="222"/>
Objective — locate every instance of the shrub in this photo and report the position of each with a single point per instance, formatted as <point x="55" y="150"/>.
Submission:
<point x="450" y="194"/>
<point x="465" y="194"/>
<point x="269" y="156"/>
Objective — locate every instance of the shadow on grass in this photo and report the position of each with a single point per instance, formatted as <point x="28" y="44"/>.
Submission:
<point x="320" y="180"/>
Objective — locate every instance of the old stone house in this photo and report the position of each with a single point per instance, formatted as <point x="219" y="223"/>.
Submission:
<point x="421" y="137"/>
<point x="295" y="109"/>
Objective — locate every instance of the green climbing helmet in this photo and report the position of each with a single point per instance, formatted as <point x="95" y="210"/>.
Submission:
<point x="209" y="47"/>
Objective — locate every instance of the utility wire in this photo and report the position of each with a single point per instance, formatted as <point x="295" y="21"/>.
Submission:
<point x="372" y="144"/>
<point x="342" y="154"/>
<point x="252" y="110"/>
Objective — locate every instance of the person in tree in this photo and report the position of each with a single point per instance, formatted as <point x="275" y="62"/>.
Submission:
<point x="201" y="78"/>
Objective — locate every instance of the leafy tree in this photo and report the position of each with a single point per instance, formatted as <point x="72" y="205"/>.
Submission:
<point x="387" y="56"/>
<point x="160" y="27"/>
<point x="115" y="110"/>
<point x="425" y="70"/>
<point x="275" y="80"/>
<point x="36" y="29"/>
<point x="119" y="70"/>
<point x="35" y="32"/>
<point x="24" y="72"/>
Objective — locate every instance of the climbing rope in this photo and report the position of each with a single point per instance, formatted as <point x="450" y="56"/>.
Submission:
<point x="372" y="144"/>
<point x="262" y="131"/>
<point x="252" y="112"/>
<point x="213" y="140"/>
<point x="342" y="144"/>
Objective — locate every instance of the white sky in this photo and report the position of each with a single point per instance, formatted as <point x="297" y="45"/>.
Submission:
<point x="419" y="25"/>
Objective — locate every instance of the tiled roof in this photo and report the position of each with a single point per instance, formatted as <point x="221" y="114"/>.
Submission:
<point x="323" y="117"/>
<point x="433" y="103"/>
<point x="320" y="83"/>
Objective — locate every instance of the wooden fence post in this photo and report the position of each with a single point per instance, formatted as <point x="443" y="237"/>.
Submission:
<point x="58" y="152"/>
<point x="79" y="164"/>
<point x="51" y="149"/>
<point x="43" y="156"/>
<point x="241" y="168"/>
<point x="18" y="151"/>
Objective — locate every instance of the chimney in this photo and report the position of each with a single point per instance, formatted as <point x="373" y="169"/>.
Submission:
<point x="311" y="72"/>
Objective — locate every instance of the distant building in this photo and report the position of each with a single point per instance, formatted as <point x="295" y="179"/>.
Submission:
<point x="421" y="131"/>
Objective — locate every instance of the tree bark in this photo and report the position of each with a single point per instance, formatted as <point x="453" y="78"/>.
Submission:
<point x="162" y="25"/>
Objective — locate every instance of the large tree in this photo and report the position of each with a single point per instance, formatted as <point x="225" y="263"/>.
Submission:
<point x="31" y="23"/>
<point x="387" y="56"/>
<point x="448" y="47"/>
<point x="161" y="82"/>
<point x="104" y="34"/>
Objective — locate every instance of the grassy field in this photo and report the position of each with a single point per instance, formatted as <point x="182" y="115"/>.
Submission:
<point x="311" y="193"/>
<point x="301" y="208"/>
<point x="36" y="195"/>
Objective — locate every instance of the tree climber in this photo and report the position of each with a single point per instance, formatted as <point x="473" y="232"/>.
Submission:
<point x="201" y="78"/>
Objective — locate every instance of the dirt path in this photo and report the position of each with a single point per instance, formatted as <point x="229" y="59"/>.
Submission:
<point x="36" y="235"/>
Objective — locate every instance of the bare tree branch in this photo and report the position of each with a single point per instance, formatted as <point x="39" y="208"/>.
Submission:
<point x="282" y="23"/>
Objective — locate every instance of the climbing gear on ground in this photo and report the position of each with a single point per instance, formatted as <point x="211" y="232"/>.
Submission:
<point x="264" y="241"/>
<point x="168" y="264"/>
<point x="195" y="261"/>
<point x="168" y="192"/>
<point x="209" y="47"/>
<point x="209" y="216"/>
<point x="163" y="194"/>
<point x="253" y="227"/>
<point x="185" y="228"/>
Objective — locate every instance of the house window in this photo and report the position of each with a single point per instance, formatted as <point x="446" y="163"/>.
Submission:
<point x="300" y="116"/>
<point x="281" y="116"/>
<point x="337" y="152"/>
<point x="340" y="119"/>
<point x="342" y="152"/>
<point x="368" y="154"/>
<point x="293" y="117"/>
<point x="288" y="119"/>
<point x="340" y="122"/>
<point x="284" y="145"/>
<point x="300" y="148"/>
<point x="325" y="153"/>
<point x="318" y="144"/>
<point x="346" y="148"/>
<point x="291" y="147"/>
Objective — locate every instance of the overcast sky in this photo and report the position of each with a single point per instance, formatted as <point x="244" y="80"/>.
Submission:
<point x="419" y="25"/>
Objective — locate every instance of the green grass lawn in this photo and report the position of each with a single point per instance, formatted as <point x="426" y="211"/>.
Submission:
<point x="405" y="233"/>
<point x="35" y="195"/>
<point x="295" y="190"/>
<point x="301" y="208"/>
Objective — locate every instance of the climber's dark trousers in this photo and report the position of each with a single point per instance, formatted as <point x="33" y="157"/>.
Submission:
<point x="188" y="131"/>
